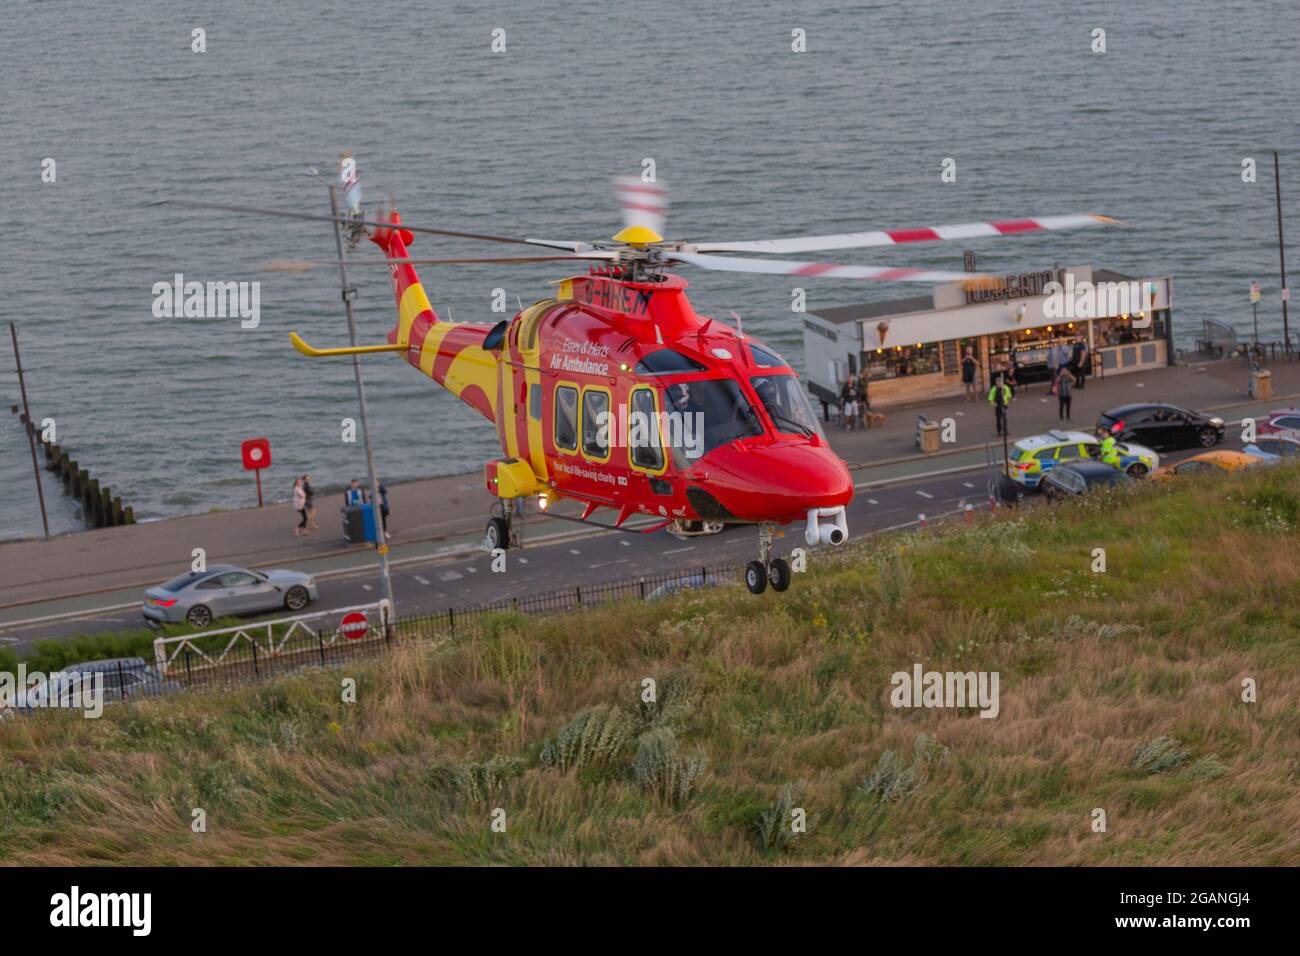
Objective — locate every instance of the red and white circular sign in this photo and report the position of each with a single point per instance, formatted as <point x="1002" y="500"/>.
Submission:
<point x="354" y="626"/>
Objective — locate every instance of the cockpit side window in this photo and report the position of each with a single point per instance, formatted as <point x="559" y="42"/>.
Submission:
<point x="786" y="404"/>
<point x="702" y="415"/>
<point x="766" y="359"/>
<point x="643" y="431"/>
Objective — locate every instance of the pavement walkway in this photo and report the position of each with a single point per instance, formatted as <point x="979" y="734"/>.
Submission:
<point x="444" y="515"/>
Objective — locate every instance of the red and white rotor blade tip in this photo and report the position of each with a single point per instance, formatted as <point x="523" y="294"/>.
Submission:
<point x="822" y="270"/>
<point x="641" y="203"/>
<point x="893" y="237"/>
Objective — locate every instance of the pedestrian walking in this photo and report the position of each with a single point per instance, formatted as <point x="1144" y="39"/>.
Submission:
<point x="383" y="509"/>
<point x="969" y="366"/>
<point x="1000" y="398"/>
<point x="1085" y="363"/>
<point x="310" y="494"/>
<point x="864" y="406"/>
<point x="1064" y="386"/>
<point x="1063" y="353"/>
<point x="849" y="402"/>
<point x="1053" y="363"/>
<point x="300" y="506"/>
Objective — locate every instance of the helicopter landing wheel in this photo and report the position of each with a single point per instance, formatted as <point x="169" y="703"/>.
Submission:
<point x="497" y="534"/>
<point x="778" y="574"/>
<point x="756" y="577"/>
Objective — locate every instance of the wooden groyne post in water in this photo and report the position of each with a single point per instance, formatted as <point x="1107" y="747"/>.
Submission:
<point x="99" y="506"/>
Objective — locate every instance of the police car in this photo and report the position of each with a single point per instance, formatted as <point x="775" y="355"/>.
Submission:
<point x="1032" y="457"/>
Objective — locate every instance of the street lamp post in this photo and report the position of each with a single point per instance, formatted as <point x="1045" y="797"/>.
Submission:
<point x="349" y="294"/>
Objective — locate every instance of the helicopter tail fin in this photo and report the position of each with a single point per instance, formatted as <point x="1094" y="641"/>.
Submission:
<point x="451" y="353"/>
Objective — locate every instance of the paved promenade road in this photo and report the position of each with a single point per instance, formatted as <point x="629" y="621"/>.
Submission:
<point x="92" y="580"/>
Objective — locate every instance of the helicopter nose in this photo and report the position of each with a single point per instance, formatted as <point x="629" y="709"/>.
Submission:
<point x="775" y="482"/>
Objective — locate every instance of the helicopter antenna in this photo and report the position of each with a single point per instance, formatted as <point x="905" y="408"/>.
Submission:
<point x="520" y="301"/>
<point x="739" y="331"/>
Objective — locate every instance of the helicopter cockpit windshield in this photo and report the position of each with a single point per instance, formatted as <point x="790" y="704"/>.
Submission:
<point x="787" y="405"/>
<point x="706" y="414"/>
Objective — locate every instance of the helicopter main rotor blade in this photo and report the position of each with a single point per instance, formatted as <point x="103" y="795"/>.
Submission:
<point x="284" y="214"/>
<point x="306" y="265"/>
<point x="824" y="270"/>
<point x="562" y="244"/>
<point x="891" y="237"/>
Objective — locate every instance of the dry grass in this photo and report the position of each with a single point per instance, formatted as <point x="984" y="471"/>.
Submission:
<point x="764" y="706"/>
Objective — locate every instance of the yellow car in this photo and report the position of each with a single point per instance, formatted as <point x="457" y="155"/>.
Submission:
<point x="1209" y="461"/>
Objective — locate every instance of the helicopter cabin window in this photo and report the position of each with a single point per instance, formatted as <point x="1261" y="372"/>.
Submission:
<point x="765" y="359"/>
<point x="643" y="431"/>
<point x="595" y="423"/>
<point x="566" y="418"/>
<point x="666" y="362"/>
<point x="787" y="405"/>
<point x="707" y="414"/>
<point x="535" y="402"/>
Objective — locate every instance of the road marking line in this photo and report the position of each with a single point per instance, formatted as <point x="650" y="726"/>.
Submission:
<point x="574" y="551"/>
<point x="872" y="501"/>
<point x="626" y="544"/>
<point x="968" y="484"/>
<point x="366" y="587"/>
<point x="522" y="560"/>
<point x="422" y="580"/>
<point x="450" y="576"/>
<point x="678" y="550"/>
<point x="925" y="494"/>
<point x="471" y="569"/>
<point x="607" y="563"/>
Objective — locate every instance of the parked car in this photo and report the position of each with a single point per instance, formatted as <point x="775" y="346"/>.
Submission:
<point x="124" y="678"/>
<point x="1271" y="449"/>
<point x="1031" y="458"/>
<point x="199" y="597"/>
<point x="1158" y="425"/>
<point x="1281" y="421"/>
<point x="686" y="583"/>
<point x="1080" y="477"/>
<point x="1206" y="462"/>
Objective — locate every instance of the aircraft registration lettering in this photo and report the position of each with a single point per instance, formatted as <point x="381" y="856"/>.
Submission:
<point x="616" y="297"/>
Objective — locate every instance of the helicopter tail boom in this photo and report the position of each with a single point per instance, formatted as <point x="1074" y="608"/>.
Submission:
<point x="451" y="353"/>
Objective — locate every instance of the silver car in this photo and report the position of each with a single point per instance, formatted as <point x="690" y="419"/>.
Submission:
<point x="123" y="678"/>
<point x="199" y="597"/>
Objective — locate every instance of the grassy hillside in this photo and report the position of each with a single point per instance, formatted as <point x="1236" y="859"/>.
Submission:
<point x="1119" y="690"/>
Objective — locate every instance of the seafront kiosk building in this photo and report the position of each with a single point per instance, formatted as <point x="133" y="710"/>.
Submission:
<point x="911" y="349"/>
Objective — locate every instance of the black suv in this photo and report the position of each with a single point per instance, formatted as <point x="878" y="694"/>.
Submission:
<point x="1157" y="425"/>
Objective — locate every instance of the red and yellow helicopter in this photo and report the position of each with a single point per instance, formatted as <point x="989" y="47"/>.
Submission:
<point x="616" y="394"/>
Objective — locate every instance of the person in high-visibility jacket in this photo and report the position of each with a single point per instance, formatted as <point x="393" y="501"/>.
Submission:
<point x="1000" y="398"/>
<point x="1109" y="453"/>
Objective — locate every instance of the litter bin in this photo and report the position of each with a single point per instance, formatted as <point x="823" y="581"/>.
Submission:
<point x="930" y="437"/>
<point x="1261" y="384"/>
<point x="358" y="523"/>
